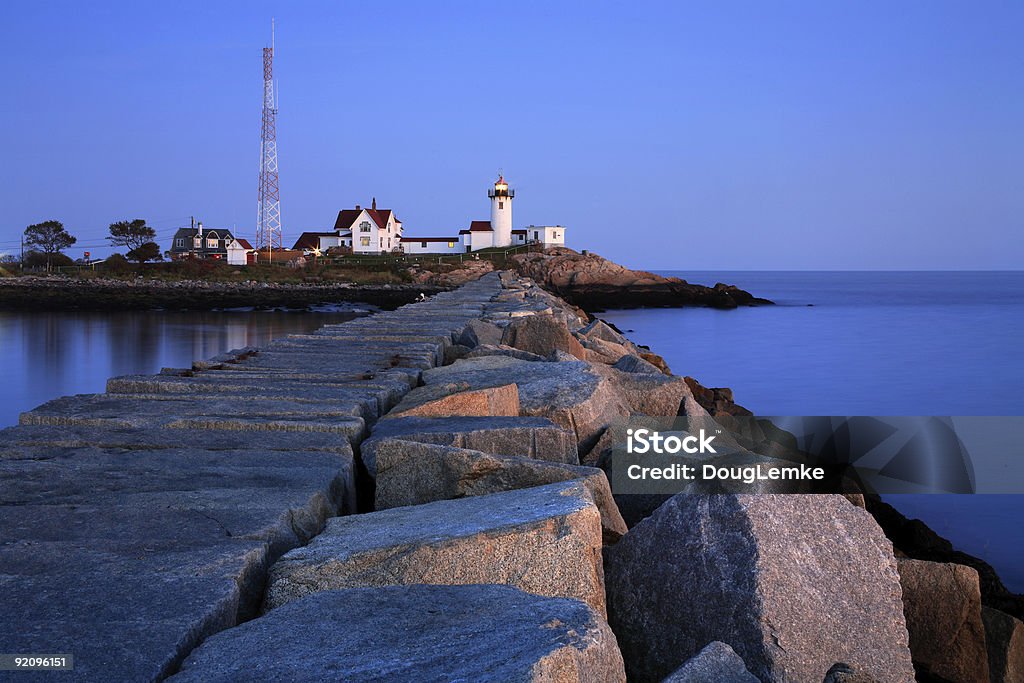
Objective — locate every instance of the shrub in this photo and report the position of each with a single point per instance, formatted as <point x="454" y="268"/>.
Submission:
<point x="37" y="259"/>
<point x="116" y="263"/>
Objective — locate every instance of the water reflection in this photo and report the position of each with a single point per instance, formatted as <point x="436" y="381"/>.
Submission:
<point x="50" y="354"/>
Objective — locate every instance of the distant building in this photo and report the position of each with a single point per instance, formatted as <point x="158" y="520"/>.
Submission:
<point x="548" y="235"/>
<point x="240" y="253"/>
<point x="364" y="231"/>
<point x="210" y="243"/>
<point x="496" y="232"/>
<point x="308" y="241"/>
<point x="378" y="231"/>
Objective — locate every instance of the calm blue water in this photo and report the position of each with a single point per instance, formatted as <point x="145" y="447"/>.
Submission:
<point x="871" y="343"/>
<point x="50" y="354"/>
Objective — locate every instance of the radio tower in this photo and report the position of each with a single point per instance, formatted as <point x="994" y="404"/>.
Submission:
<point x="268" y="223"/>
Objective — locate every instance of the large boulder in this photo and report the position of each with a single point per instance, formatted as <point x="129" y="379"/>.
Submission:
<point x="414" y="633"/>
<point x="480" y="332"/>
<point x="541" y="334"/>
<point x="632" y="363"/>
<point x="544" y="540"/>
<point x="716" y="663"/>
<point x="532" y="437"/>
<point x="598" y="329"/>
<point x="649" y="394"/>
<point x="942" y="603"/>
<point x="456" y="399"/>
<point x="1004" y="636"/>
<point x="571" y="394"/>
<point x="794" y="583"/>
<point x="601" y="351"/>
<point x="415" y="473"/>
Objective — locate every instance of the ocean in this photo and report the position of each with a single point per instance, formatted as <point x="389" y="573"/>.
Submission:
<point x="867" y="343"/>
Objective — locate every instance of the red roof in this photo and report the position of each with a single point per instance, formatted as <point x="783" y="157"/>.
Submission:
<point x="519" y="232"/>
<point x="244" y="243"/>
<point x="310" y="240"/>
<point x="480" y="226"/>
<point x="346" y="217"/>
<point x="430" y="239"/>
<point x="379" y="216"/>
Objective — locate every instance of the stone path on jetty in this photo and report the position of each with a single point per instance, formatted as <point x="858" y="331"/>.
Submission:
<point x="214" y="523"/>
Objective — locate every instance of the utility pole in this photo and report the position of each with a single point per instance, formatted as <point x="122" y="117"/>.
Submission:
<point x="268" y="222"/>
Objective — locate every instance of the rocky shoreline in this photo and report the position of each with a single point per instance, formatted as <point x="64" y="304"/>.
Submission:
<point x="215" y="504"/>
<point x="595" y="284"/>
<point x="585" y="280"/>
<point x="99" y="294"/>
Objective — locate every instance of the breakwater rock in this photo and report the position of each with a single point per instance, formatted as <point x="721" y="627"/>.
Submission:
<point x="410" y="496"/>
<point x="102" y="294"/>
<point x="595" y="283"/>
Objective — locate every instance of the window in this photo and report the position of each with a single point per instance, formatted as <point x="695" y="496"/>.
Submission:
<point x="180" y="242"/>
<point x="501" y="205"/>
<point x="451" y="245"/>
<point x="424" y="245"/>
<point x="536" y="234"/>
<point x="197" y="242"/>
<point x="364" y="241"/>
<point x="364" y="226"/>
<point x="211" y="244"/>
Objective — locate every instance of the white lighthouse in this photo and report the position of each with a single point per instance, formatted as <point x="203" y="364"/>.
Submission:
<point x="501" y="212"/>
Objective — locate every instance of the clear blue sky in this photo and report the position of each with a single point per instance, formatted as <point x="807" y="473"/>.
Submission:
<point x="749" y="135"/>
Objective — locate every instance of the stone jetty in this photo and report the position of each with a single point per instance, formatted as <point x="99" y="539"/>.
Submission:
<point x="408" y="497"/>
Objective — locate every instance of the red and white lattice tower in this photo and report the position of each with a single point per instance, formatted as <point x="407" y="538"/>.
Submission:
<point x="268" y="222"/>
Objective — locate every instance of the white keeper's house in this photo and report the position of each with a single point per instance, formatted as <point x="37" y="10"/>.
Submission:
<point x="378" y="231"/>
<point x="364" y="231"/>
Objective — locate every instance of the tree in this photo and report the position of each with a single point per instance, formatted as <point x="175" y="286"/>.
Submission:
<point x="133" y="235"/>
<point x="150" y="251"/>
<point x="50" y="237"/>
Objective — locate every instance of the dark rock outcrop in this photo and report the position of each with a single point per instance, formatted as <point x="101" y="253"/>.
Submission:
<point x="595" y="283"/>
<point x="1004" y="637"/>
<point x="916" y="540"/>
<point x="942" y="603"/>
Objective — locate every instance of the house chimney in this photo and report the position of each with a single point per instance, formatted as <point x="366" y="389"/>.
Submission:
<point x="200" y="228"/>
<point x="358" y="208"/>
<point x="374" y="205"/>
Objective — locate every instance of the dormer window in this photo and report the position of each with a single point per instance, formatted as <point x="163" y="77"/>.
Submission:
<point x="211" y="244"/>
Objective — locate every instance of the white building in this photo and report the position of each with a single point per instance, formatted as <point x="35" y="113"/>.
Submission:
<point x="432" y="245"/>
<point x="240" y="252"/>
<point x="496" y="232"/>
<point x="378" y="231"/>
<point x="364" y="231"/>
<point x="548" y="235"/>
